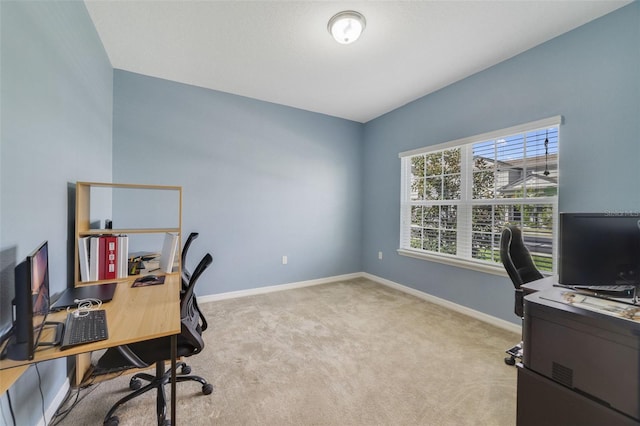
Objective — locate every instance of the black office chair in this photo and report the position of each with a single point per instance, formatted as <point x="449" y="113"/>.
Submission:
<point x="519" y="265"/>
<point x="186" y="276"/>
<point x="185" y="272"/>
<point x="157" y="351"/>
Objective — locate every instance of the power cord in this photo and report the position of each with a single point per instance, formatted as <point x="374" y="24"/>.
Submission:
<point x="8" y="334"/>
<point x="44" y="417"/>
<point x="73" y="398"/>
<point x="13" y="415"/>
<point x="84" y="306"/>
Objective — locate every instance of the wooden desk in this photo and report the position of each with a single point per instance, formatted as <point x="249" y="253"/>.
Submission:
<point x="8" y="377"/>
<point x="134" y="314"/>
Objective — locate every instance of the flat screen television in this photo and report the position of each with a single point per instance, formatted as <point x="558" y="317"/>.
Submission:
<point x="599" y="249"/>
<point x="31" y="303"/>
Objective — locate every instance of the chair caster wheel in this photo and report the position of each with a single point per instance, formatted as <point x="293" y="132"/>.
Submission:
<point x="112" y="421"/>
<point x="207" y="389"/>
<point x="134" y="384"/>
<point x="185" y="369"/>
<point x="510" y="360"/>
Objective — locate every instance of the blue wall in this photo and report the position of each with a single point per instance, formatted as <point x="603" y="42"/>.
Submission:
<point x="259" y="180"/>
<point x="590" y="76"/>
<point x="57" y="98"/>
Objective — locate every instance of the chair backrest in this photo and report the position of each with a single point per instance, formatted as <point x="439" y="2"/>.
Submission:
<point x="191" y="328"/>
<point x="183" y="257"/>
<point x="516" y="257"/>
<point x="186" y="276"/>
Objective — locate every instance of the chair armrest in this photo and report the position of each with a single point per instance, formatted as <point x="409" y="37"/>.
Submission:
<point x="131" y="357"/>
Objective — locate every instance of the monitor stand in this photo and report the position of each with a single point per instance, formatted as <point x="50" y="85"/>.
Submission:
<point x="58" y="333"/>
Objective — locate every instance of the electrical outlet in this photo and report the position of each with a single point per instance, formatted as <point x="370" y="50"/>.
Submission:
<point x="380" y="255"/>
<point x="284" y="260"/>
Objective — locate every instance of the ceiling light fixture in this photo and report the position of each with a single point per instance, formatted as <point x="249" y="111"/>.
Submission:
<point x="346" y="26"/>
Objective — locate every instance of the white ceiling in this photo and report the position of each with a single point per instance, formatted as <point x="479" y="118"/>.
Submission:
<point x="281" y="51"/>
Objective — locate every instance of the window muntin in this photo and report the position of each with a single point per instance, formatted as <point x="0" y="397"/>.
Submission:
<point x="461" y="197"/>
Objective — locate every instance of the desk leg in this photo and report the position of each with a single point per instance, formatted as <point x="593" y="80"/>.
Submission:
<point x="83" y="364"/>
<point x="174" y="349"/>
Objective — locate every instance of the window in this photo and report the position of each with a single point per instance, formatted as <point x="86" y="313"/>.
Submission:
<point x="458" y="196"/>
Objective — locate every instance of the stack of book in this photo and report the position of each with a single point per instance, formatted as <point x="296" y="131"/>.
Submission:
<point x="106" y="257"/>
<point x="103" y="257"/>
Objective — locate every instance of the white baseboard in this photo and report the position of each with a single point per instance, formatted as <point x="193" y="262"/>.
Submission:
<point x="506" y="325"/>
<point x="55" y="404"/>
<point x="273" y="288"/>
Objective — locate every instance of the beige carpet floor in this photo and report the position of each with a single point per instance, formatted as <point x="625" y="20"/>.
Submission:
<point x="345" y="353"/>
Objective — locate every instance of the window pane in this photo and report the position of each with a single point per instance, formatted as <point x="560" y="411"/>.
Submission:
<point x="433" y="188"/>
<point x="448" y="242"/>
<point x="486" y="246"/>
<point x="451" y="161"/>
<point x="484" y="155"/>
<point x="501" y="217"/>
<point x="481" y="219"/>
<point x="510" y="150"/>
<point x="481" y="247"/>
<point x="511" y="168"/>
<point x="448" y="217"/>
<point x="417" y="189"/>
<point x="451" y="187"/>
<point x="496" y="247"/>
<point x="510" y="180"/>
<point x="433" y="164"/>
<point x="432" y="217"/>
<point x="483" y="185"/>
<point x="537" y="230"/>
<point x="430" y="240"/>
<point x="542" y="153"/>
<point x="417" y="166"/>
<point x="416" y="215"/>
<point x="538" y="217"/>
<point x="540" y="186"/>
<point x="416" y="237"/>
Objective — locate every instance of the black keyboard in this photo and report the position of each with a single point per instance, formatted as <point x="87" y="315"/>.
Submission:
<point x="88" y="327"/>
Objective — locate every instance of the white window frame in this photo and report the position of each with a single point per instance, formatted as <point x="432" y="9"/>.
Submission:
<point x="466" y="261"/>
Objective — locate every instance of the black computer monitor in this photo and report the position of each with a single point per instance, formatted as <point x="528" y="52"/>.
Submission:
<point x="31" y="303"/>
<point x="599" y="249"/>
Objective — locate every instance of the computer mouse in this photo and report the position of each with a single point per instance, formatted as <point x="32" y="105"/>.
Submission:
<point x="148" y="278"/>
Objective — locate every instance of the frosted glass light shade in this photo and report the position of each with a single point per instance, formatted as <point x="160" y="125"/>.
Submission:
<point x="346" y="27"/>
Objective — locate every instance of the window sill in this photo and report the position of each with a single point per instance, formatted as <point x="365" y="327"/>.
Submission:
<point x="454" y="261"/>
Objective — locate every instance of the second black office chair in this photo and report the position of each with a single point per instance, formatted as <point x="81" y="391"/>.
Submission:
<point x="157" y="351"/>
<point x="521" y="269"/>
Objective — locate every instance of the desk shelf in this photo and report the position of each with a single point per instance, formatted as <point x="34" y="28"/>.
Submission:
<point x="131" y="207"/>
<point x="126" y="231"/>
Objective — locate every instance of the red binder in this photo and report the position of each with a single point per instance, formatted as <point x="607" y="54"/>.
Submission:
<point x="110" y="257"/>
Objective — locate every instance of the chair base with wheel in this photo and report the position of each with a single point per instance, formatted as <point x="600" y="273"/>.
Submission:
<point x="157" y="382"/>
<point x="515" y="353"/>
